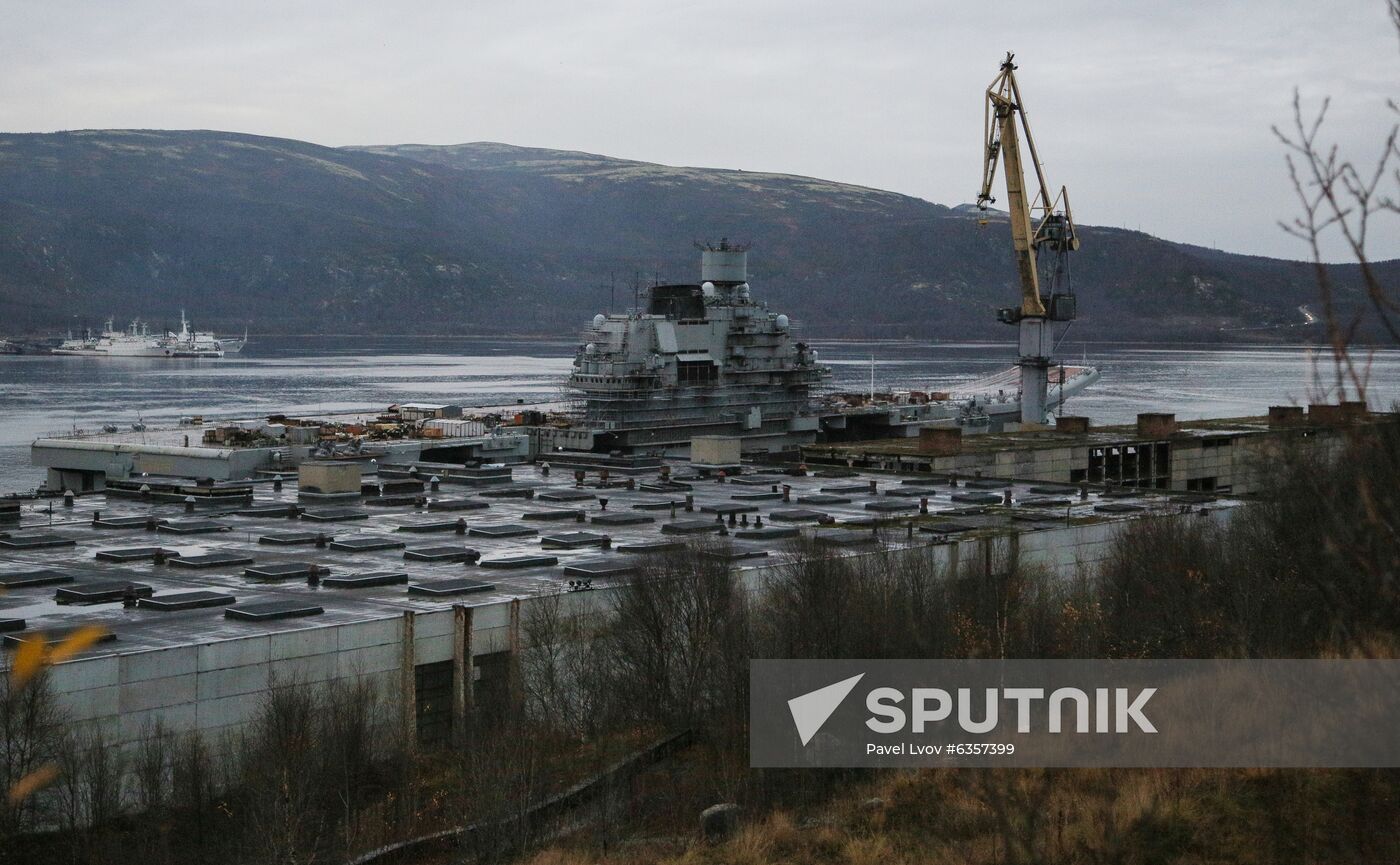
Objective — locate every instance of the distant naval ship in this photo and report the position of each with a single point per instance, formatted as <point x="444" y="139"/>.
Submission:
<point x="138" y="341"/>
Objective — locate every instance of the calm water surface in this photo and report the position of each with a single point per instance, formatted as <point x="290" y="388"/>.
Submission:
<point x="44" y="394"/>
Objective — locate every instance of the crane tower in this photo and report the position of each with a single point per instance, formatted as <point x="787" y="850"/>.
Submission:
<point x="1042" y="236"/>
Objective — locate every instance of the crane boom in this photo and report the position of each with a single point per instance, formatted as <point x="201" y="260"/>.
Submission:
<point x="1004" y="122"/>
<point x="1003" y="119"/>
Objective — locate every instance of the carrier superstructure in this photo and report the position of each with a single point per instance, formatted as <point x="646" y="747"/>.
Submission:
<point x="697" y="359"/>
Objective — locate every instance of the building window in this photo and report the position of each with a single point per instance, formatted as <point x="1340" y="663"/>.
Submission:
<point x="696" y="372"/>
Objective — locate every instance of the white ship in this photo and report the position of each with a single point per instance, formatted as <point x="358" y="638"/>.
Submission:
<point x="138" y="341"/>
<point x="201" y="343"/>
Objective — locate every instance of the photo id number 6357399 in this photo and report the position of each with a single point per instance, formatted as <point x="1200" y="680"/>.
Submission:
<point x="974" y="749"/>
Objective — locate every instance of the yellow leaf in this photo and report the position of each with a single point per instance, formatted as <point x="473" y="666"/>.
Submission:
<point x="29" y="657"/>
<point x="32" y="783"/>
<point x="83" y="638"/>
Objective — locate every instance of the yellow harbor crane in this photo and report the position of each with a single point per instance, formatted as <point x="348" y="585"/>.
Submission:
<point x="1051" y="238"/>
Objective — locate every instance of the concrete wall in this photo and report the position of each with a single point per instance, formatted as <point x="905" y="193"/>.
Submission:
<point x="1239" y="464"/>
<point x="1049" y="464"/>
<point x="216" y="687"/>
<point x="70" y="462"/>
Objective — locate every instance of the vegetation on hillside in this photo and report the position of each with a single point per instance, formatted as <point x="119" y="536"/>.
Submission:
<point x="289" y="237"/>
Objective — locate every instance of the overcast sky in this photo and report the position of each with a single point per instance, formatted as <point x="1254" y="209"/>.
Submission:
<point x="1156" y="115"/>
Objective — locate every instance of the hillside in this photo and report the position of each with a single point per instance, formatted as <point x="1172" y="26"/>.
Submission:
<point x="286" y="236"/>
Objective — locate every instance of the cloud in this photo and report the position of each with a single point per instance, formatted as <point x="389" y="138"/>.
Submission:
<point x="1157" y="116"/>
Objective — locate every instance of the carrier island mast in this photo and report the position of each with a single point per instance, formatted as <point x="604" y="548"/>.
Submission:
<point x="1048" y="241"/>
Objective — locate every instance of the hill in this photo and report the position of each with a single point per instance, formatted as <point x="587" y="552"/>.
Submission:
<point x="286" y="236"/>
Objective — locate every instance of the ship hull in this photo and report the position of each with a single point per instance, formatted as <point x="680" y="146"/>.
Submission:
<point x="980" y="406"/>
<point x="104" y="352"/>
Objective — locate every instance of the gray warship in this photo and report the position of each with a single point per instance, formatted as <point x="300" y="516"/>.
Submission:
<point x="707" y="359"/>
<point x="699" y="360"/>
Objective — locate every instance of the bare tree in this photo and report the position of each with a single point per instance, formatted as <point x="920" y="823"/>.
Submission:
<point x="1348" y="203"/>
<point x="277" y="805"/>
<point x="1342" y="201"/>
<point x="563" y="670"/>
<point x="679" y="640"/>
<point x="352" y="722"/>
<point x="151" y="768"/>
<point x="193" y="789"/>
<point x="31" y="738"/>
<point x="89" y="790"/>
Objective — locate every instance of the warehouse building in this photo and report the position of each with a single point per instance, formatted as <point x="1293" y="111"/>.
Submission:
<point x="211" y="594"/>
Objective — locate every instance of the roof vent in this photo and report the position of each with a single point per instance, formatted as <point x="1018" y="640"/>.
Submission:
<point x="267" y="611"/>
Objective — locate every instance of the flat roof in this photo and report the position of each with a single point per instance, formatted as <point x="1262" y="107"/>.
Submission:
<point x="399" y="525"/>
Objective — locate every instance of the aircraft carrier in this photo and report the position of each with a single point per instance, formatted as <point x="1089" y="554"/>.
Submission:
<point x="698" y="359"/>
<point x="708" y="359"/>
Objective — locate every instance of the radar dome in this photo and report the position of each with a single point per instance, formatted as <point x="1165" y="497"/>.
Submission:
<point x="599" y="319"/>
<point x="590" y="348"/>
<point x="707" y="288"/>
<point x="782" y="322"/>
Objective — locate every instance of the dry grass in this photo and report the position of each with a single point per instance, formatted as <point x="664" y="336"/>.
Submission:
<point x="773" y="839"/>
<point x="559" y="856"/>
<point x="872" y="850"/>
<point x="1084" y="816"/>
